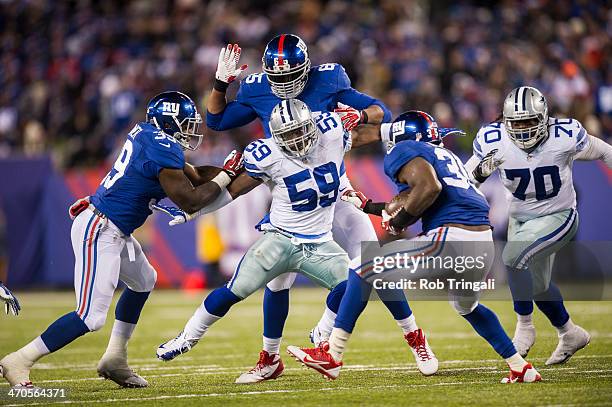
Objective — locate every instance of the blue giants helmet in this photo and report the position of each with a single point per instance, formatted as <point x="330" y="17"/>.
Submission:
<point x="286" y="64"/>
<point x="419" y="126"/>
<point x="176" y="115"/>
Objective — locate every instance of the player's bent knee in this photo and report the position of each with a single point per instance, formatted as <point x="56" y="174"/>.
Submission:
<point x="464" y="306"/>
<point x="95" y="322"/>
<point x="282" y="282"/>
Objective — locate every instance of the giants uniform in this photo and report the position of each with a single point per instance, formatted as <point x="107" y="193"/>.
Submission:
<point x="543" y="213"/>
<point x="327" y="86"/>
<point x="104" y="249"/>
<point x="297" y="232"/>
<point x="459" y="202"/>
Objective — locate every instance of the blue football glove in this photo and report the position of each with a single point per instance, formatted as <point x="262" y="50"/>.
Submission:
<point x="178" y="216"/>
<point x="11" y="304"/>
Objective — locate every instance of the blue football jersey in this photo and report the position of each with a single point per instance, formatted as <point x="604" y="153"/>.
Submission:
<point x="328" y="85"/>
<point x="459" y="202"/>
<point x="124" y="194"/>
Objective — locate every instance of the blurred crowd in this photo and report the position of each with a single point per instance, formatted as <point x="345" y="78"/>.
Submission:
<point x="74" y="75"/>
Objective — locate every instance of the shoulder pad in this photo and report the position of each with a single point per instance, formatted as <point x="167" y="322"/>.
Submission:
<point x="568" y="130"/>
<point x="259" y="157"/>
<point x="487" y="138"/>
<point x="162" y="149"/>
<point x="253" y="84"/>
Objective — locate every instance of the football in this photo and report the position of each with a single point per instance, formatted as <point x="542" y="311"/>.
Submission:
<point x="397" y="202"/>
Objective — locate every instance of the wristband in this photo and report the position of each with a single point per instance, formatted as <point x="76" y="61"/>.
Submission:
<point x="364" y="117"/>
<point x="478" y="176"/>
<point x="220" y="85"/>
<point x="374" y="208"/>
<point x="222" y="179"/>
<point x="402" y="219"/>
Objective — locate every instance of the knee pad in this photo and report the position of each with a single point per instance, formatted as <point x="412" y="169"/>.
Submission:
<point x="464" y="306"/>
<point x="282" y="282"/>
<point x="95" y="322"/>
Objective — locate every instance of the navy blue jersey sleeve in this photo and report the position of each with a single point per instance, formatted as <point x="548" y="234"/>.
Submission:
<point x="401" y="154"/>
<point x="237" y="113"/>
<point x="351" y="97"/>
<point x="162" y="152"/>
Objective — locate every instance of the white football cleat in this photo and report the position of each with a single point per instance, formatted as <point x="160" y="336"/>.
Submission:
<point x="425" y="359"/>
<point x="268" y="367"/>
<point x="175" y="347"/>
<point x="527" y="375"/>
<point x="16" y="370"/>
<point x="524" y="338"/>
<point x="569" y="343"/>
<point x="117" y="370"/>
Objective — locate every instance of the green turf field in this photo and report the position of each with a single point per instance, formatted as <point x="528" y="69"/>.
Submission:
<point x="379" y="368"/>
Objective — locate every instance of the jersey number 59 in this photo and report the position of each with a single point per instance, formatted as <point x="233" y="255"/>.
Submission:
<point x="328" y="181"/>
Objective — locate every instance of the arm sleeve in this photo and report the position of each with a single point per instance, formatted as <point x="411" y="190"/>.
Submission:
<point x="595" y="149"/>
<point x="234" y="115"/>
<point x="471" y="165"/>
<point x="223" y="199"/>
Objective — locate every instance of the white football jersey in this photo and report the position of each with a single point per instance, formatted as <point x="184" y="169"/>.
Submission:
<point x="304" y="191"/>
<point x="540" y="182"/>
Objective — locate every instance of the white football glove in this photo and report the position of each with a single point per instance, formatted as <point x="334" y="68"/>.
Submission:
<point x="386" y="218"/>
<point x="11" y="304"/>
<point x="487" y="166"/>
<point x="356" y="198"/>
<point x="178" y="215"/>
<point x="227" y="67"/>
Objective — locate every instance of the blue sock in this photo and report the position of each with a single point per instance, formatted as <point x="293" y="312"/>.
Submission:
<point x="396" y="303"/>
<point x="63" y="331"/>
<point x="353" y="302"/>
<point x="334" y="298"/>
<point x="551" y="304"/>
<point x="485" y="322"/>
<point x="130" y="305"/>
<point x="521" y="287"/>
<point x="275" y="311"/>
<point x="220" y="300"/>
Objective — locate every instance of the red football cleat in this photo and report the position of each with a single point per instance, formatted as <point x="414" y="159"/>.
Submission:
<point x="527" y="375"/>
<point x="318" y="359"/>
<point x="268" y="367"/>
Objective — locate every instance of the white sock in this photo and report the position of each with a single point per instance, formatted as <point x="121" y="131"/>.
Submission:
<point x="569" y="325"/>
<point x="199" y="323"/>
<point x="525" y="320"/>
<point x="516" y="362"/>
<point x="272" y="345"/>
<point x="326" y="323"/>
<point x="337" y="343"/>
<point x="407" y="324"/>
<point x="34" y="350"/>
<point x="120" y="335"/>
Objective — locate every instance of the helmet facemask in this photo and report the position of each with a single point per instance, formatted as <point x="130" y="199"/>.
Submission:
<point x="185" y="132"/>
<point x="287" y="82"/>
<point x="296" y="140"/>
<point x="527" y="132"/>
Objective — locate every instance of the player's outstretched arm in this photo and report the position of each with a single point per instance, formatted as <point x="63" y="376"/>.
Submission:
<point x="424" y="190"/>
<point x="596" y="149"/>
<point x="202" y="174"/>
<point x="365" y="134"/>
<point x="189" y="198"/>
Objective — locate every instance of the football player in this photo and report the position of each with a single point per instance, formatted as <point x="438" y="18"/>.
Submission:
<point x="452" y="209"/>
<point x="11" y="304"/>
<point x="287" y="73"/>
<point x="150" y="166"/>
<point x="301" y="164"/>
<point x="534" y="154"/>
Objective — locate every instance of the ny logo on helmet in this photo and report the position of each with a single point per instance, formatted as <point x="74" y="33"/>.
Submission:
<point x="170" y="109"/>
<point x="397" y="128"/>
